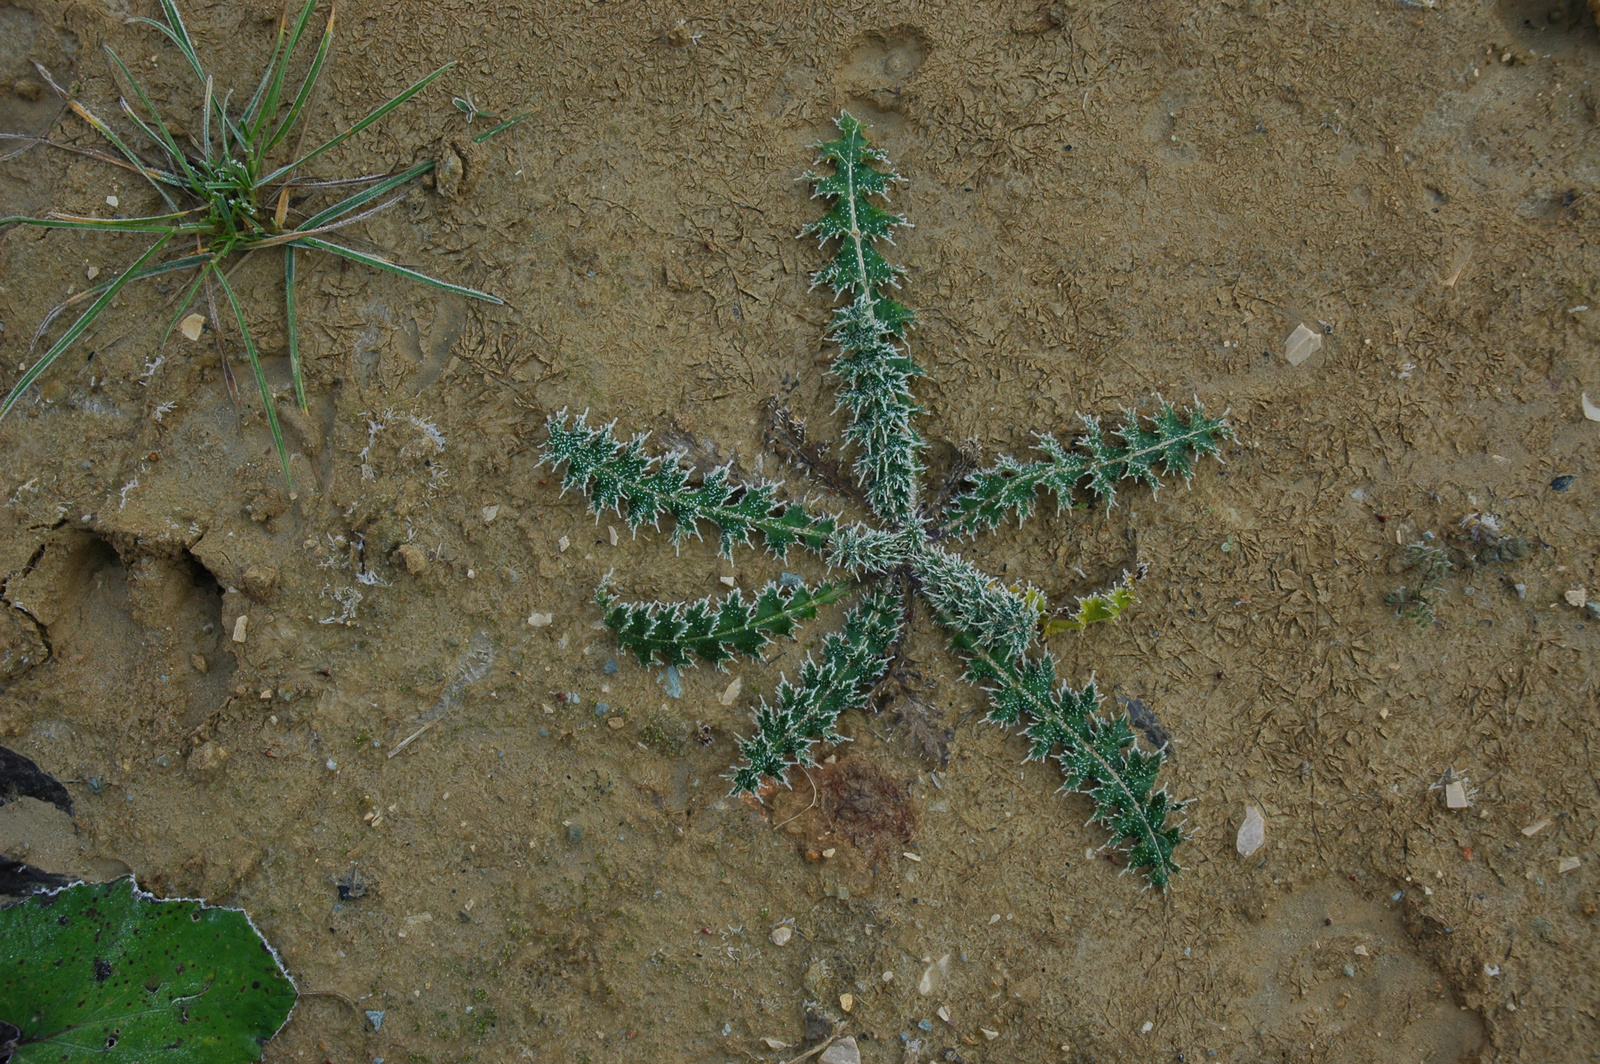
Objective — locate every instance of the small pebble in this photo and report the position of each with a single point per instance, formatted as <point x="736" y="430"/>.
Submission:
<point x="375" y="1017"/>
<point x="925" y="1025"/>
<point x="1455" y="795"/>
<point x="1521" y="590"/>
<point x="1252" y="832"/>
<point x="1577" y="596"/>
<point x="574" y="834"/>
<point x="240" y="627"/>
<point x="1563" y="483"/>
<point x="92" y="272"/>
<point x="781" y="935"/>
<point x="844" y="1051"/>
<point x="847" y="1002"/>
<point x="333" y="766"/>
<point x="1349" y="971"/>
<point x="611" y="667"/>
<point x="540" y="620"/>
<point x="990" y="1035"/>
<point x="563" y="543"/>
<point x="192" y="326"/>
<point x="112" y="201"/>
<point x="731" y="692"/>
<point x="616" y="723"/>
<point x="1568" y="864"/>
<point x="729" y="581"/>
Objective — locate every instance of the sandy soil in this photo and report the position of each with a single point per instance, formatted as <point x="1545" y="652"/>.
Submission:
<point x="1110" y="201"/>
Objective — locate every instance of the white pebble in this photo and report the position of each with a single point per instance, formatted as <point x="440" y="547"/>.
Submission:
<point x="239" y="628"/>
<point x="112" y="201"/>
<point x="92" y="272"/>
<point x="1455" y="795"/>
<point x="563" y="543"/>
<point x="192" y="326"/>
<point x="781" y="935"/>
<point x="540" y="620"/>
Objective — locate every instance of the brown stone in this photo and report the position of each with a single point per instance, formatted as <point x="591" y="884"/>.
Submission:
<point x="260" y="581"/>
<point x="206" y="761"/>
<point x="410" y="557"/>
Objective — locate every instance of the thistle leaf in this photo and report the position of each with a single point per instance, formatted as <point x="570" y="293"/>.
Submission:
<point x="1098" y="755"/>
<point x="873" y="366"/>
<point x="1171" y="437"/>
<point x="805" y="711"/>
<point x="1101" y="606"/>
<point x="673" y="633"/>
<point x="977" y="604"/>
<point x="622" y="477"/>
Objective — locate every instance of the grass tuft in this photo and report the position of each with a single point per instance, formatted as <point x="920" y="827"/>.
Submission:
<point x="226" y="196"/>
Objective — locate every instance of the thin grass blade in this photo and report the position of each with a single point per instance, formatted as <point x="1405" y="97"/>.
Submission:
<point x="306" y="87"/>
<point x="291" y="322"/>
<point x="151" y="224"/>
<point x="277" y="70"/>
<point x="501" y="128"/>
<point x="362" y="198"/>
<point x="384" y="264"/>
<point x="78" y="327"/>
<point x="375" y="115"/>
<point x="162" y="135"/>
<point x="255" y="366"/>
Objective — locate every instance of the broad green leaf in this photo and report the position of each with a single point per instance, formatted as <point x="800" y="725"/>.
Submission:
<point x="107" y="973"/>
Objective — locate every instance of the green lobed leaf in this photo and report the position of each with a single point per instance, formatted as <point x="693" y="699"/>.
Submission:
<point x="975" y="603"/>
<point x="1172" y="438"/>
<point x="1098" y="755"/>
<point x="621" y="477"/>
<point x="874" y="369"/>
<point x="107" y="973"/>
<point x="804" y="712"/>
<point x="674" y="633"/>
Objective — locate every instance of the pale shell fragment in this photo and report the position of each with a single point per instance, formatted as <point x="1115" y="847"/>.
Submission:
<point x="773" y="1043"/>
<point x="1537" y="826"/>
<point x="239" y="628"/>
<point x="563" y="543"/>
<point x="1577" y="596"/>
<point x="112" y="201"/>
<point x="490" y="513"/>
<point x="1252" y="833"/>
<point x="1455" y="795"/>
<point x="1302" y="344"/>
<point x="990" y="1035"/>
<point x="731" y="692"/>
<point x="730" y="581"/>
<point x="844" y="1051"/>
<point x="540" y="620"/>
<point x="192" y="326"/>
<point x="1590" y="411"/>
<point x="781" y="935"/>
<point x="92" y="272"/>
<point x="1568" y="864"/>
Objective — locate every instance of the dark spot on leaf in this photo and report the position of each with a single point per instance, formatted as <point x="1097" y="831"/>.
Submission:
<point x="102" y="970"/>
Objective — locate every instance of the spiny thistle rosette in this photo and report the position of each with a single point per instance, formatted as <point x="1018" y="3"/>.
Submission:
<point x="996" y="629"/>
